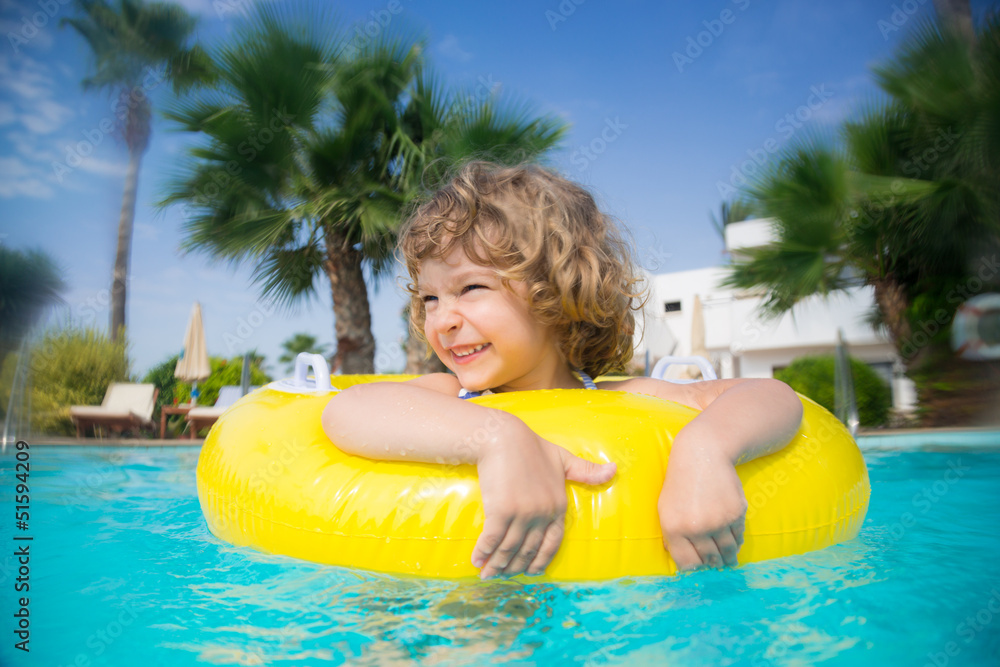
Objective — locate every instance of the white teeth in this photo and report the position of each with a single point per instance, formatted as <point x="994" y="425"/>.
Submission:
<point x="465" y="354"/>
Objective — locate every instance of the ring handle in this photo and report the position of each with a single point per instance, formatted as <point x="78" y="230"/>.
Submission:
<point x="321" y="372"/>
<point x="660" y="369"/>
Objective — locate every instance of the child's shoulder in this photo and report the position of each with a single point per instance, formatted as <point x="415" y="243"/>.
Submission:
<point x="445" y="383"/>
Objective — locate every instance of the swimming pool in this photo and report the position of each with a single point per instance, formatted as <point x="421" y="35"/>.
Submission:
<point x="123" y="571"/>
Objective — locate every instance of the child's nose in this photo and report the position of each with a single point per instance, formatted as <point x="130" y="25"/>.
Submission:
<point x="446" y="318"/>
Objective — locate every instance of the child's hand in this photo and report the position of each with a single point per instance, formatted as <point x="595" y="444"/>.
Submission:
<point x="702" y="508"/>
<point x="523" y="484"/>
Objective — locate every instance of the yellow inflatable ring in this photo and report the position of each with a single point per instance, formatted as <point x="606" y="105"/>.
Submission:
<point x="269" y="478"/>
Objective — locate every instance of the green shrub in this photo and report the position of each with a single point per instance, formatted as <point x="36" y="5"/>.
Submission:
<point x="813" y="376"/>
<point x="162" y="375"/>
<point x="71" y="366"/>
<point x="224" y="372"/>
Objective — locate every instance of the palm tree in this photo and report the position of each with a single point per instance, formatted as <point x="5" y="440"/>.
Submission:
<point x="29" y="283"/>
<point x="311" y="158"/>
<point x="136" y="46"/>
<point x="734" y="210"/>
<point x="300" y="342"/>
<point x="908" y="204"/>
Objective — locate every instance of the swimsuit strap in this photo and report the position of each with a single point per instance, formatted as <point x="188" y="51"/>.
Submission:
<point x="588" y="383"/>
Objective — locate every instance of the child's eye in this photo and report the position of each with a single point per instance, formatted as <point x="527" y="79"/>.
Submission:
<point x="427" y="298"/>
<point x="469" y="288"/>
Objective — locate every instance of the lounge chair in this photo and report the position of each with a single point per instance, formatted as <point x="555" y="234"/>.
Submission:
<point x="124" y="406"/>
<point x="203" y="417"/>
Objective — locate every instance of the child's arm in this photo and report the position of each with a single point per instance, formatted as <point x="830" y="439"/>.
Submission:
<point x="521" y="476"/>
<point x="702" y="506"/>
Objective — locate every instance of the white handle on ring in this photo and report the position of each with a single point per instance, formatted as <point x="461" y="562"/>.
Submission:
<point x="660" y="369"/>
<point x="300" y="383"/>
<point x="321" y="372"/>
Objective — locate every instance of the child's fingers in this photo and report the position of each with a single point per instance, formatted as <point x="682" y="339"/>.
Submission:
<point x="738" y="528"/>
<point x="550" y="545"/>
<point x="494" y="531"/>
<point x="525" y="556"/>
<point x="505" y="552"/>
<point x="577" y="469"/>
<point x="736" y="541"/>
<point x="684" y="553"/>
<point x="726" y="545"/>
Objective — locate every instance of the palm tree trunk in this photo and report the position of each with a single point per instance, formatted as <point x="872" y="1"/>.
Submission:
<point x="956" y="15"/>
<point x="125" y="224"/>
<point x="351" y="312"/>
<point x="417" y="360"/>
<point x="953" y="391"/>
<point x="891" y="299"/>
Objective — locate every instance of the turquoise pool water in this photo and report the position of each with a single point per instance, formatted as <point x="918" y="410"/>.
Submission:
<point x="124" y="572"/>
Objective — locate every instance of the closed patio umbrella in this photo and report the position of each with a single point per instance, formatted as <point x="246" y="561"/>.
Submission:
<point x="193" y="364"/>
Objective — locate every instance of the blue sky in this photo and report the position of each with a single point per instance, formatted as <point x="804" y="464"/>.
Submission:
<point x="669" y="105"/>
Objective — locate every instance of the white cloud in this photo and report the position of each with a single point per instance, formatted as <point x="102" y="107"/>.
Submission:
<point x="7" y="115"/>
<point x="103" y="167"/>
<point x="144" y="230"/>
<point x="30" y="91"/>
<point x="449" y="48"/>
<point x="11" y="166"/>
<point x="24" y="187"/>
<point x="46" y="117"/>
<point x="21" y="34"/>
<point x="27" y="79"/>
<point x="27" y="146"/>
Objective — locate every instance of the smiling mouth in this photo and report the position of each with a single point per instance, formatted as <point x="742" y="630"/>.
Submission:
<point x="467" y="354"/>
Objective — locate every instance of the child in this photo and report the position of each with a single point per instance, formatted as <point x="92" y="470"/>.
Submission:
<point x="519" y="282"/>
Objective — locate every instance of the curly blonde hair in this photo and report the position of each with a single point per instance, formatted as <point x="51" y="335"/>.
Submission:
<point x="532" y="225"/>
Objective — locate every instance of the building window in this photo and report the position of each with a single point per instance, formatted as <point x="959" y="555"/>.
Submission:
<point x="672" y="307"/>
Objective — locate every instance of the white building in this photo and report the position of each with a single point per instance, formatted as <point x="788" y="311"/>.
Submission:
<point x="742" y="344"/>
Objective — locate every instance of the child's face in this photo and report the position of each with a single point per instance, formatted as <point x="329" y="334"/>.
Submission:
<point x="482" y="331"/>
